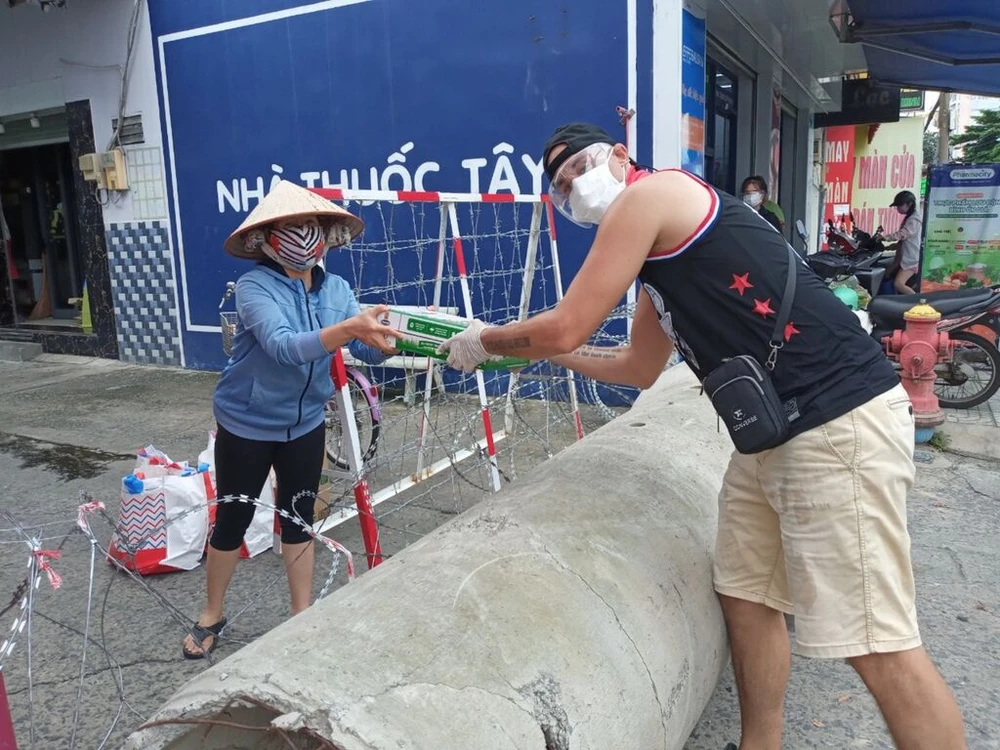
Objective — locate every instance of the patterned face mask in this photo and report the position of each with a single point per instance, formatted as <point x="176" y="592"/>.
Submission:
<point x="298" y="247"/>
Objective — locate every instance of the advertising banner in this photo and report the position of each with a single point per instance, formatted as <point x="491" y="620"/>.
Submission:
<point x="693" y="94"/>
<point x="774" y="142"/>
<point x="889" y="158"/>
<point x="962" y="245"/>
<point x="839" y="178"/>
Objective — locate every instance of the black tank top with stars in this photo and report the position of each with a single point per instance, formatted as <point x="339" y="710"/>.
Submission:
<point x="717" y="296"/>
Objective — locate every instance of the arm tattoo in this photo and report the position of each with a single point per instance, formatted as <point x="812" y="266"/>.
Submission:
<point x="521" y="342"/>
<point x="598" y="352"/>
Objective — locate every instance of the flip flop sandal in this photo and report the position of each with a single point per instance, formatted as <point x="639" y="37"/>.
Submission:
<point x="199" y="633"/>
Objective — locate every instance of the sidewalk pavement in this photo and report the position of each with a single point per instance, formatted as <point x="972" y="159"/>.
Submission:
<point x="71" y="424"/>
<point x="976" y="431"/>
<point x="984" y="415"/>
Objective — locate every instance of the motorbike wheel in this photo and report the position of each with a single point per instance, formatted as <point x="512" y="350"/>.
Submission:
<point x="973" y="355"/>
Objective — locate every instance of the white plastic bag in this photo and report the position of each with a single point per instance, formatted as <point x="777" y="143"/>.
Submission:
<point x="259" y="537"/>
<point x="164" y="522"/>
<point x="151" y="463"/>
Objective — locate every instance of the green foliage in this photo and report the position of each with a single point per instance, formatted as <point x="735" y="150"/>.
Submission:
<point x="930" y="148"/>
<point x="940" y="440"/>
<point x="981" y="141"/>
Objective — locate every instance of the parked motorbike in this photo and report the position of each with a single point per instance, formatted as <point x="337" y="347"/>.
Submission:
<point x="859" y="254"/>
<point x="839" y="241"/>
<point x="973" y="375"/>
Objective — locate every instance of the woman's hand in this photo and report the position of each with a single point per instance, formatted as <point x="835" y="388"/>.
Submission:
<point x="366" y="328"/>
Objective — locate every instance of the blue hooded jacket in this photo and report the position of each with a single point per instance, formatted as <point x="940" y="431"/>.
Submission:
<point x="278" y="377"/>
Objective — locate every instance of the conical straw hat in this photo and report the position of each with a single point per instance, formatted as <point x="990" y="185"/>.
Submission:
<point x="289" y="201"/>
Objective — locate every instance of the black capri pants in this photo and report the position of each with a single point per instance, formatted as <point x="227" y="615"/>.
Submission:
<point x="241" y="468"/>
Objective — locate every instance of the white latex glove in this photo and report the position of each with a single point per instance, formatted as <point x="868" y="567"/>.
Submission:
<point x="465" y="350"/>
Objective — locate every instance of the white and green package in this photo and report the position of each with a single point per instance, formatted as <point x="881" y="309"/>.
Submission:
<point x="427" y="329"/>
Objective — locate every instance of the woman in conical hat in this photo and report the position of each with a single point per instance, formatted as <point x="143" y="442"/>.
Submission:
<point x="269" y="402"/>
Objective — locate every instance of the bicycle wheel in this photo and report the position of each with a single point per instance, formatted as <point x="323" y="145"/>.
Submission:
<point x="972" y="377"/>
<point x="367" y="419"/>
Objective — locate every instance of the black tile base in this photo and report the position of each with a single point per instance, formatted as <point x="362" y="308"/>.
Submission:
<point x="58" y="342"/>
<point x="93" y="251"/>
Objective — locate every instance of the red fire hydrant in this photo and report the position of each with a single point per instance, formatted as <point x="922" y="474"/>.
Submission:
<point x="919" y="348"/>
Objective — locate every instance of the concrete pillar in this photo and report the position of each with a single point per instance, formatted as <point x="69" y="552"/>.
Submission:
<point x="575" y="610"/>
<point x="667" y="45"/>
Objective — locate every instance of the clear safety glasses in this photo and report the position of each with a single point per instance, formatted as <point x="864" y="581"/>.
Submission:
<point x="569" y="193"/>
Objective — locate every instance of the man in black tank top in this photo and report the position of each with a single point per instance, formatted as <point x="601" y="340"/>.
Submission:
<point x="815" y="527"/>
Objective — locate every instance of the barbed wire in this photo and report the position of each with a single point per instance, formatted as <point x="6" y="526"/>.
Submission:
<point x="42" y="566"/>
<point x="61" y="573"/>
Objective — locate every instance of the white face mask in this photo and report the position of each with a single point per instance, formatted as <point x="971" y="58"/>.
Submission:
<point x="593" y="193"/>
<point x="753" y="199"/>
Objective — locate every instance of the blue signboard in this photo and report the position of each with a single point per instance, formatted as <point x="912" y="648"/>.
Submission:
<point x="693" y="94"/>
<point x="439" y="95"/>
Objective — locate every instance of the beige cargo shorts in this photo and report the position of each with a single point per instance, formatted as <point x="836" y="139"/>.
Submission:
<point x="817" y="528"/>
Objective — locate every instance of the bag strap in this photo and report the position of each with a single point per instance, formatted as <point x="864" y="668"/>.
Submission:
<point x="785" y="311"/>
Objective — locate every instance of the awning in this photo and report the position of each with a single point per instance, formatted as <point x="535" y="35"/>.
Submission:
<point x="943" y="45"/>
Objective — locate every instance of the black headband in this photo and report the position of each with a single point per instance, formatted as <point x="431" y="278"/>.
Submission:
<point x="576" y="136"/>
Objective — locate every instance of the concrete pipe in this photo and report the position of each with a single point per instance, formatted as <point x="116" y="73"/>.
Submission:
<point x="575" y="610"/>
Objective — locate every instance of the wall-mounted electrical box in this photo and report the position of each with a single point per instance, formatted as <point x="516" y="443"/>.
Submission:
<point x="90" y="167"/>
<point x="115" y="173"/>
<point x="106" y="168"/>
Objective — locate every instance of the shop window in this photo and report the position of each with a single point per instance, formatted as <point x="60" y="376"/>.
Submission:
<point x="786" y="196"/>
<point x="722" y="98"/>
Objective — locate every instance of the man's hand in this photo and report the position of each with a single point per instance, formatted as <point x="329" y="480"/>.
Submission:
<point x="465" y="350"/>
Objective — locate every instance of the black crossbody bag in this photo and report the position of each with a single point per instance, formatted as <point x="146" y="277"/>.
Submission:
<point x="741" y="389"/>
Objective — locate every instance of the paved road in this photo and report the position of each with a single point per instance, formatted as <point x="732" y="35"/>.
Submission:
<point x="68" y="426"/>
<point x="954" y="517"/>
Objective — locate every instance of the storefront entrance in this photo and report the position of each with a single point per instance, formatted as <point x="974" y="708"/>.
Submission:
<point x="787" y="190"/>
<point x="44" y="278"/>
<point x="723" y="123"/>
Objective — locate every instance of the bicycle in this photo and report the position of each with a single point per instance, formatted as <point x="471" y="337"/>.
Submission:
<point x="364" y="397"/>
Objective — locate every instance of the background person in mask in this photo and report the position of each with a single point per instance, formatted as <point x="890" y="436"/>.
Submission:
<point x="269" y="402"/>
<point x="815" y="527"/>
<point x="754" y="192"/>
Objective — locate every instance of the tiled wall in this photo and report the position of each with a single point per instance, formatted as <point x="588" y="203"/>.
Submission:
<point x="142" y="285"/>
<point x="145" y="177"/>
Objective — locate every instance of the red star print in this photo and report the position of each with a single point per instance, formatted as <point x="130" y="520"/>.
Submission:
<point x="790" y="330"/>
<point x="741" y="283"/>
<point x="763" y="308"/>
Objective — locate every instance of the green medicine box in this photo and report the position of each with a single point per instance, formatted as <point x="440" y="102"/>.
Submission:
<point x="426" y="329"/>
